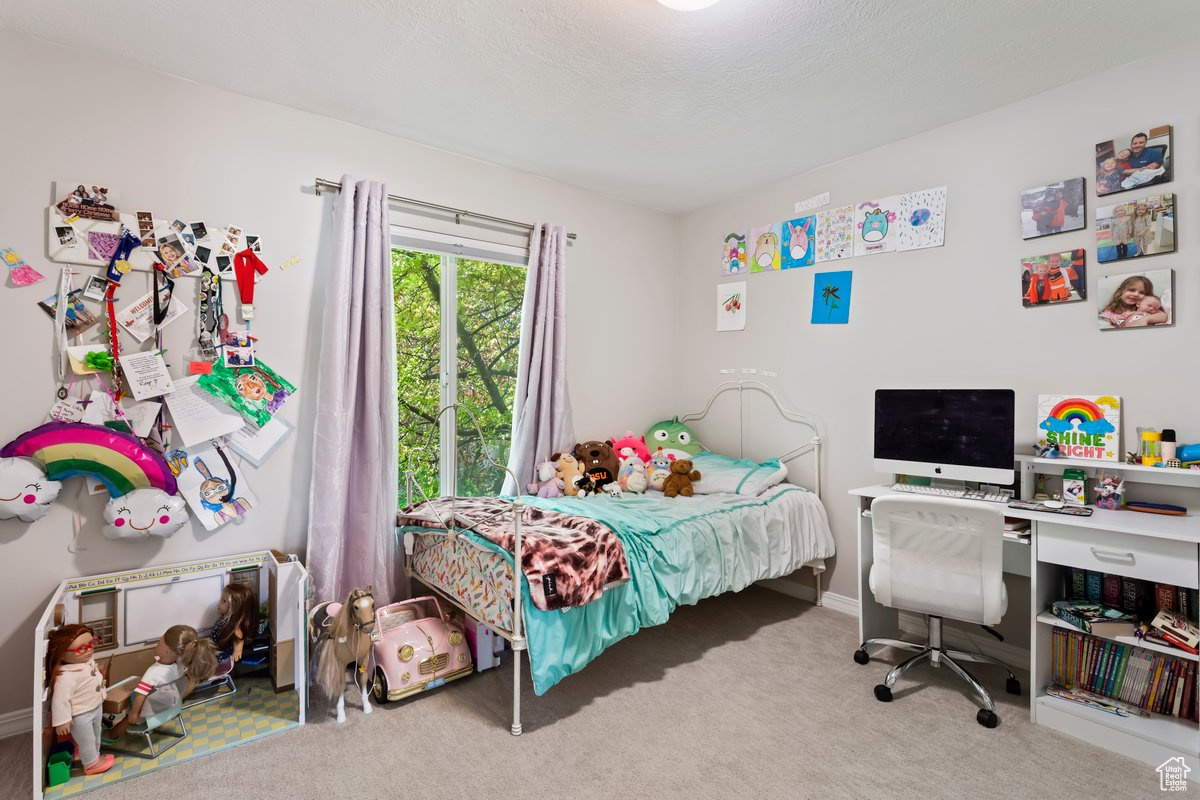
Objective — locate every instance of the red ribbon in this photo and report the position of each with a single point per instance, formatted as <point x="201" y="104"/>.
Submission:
<point x="245" y="264"/>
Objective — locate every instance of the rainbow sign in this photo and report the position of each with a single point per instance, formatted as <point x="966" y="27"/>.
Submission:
<point x="1081" y="426"/>
<point x="1077" y="409"/>
<point x="118" y="460"/>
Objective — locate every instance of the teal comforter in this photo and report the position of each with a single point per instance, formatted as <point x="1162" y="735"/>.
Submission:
<point x="680" y="551"/>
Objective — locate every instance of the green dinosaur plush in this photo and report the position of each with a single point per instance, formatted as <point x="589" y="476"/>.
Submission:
<point x="673" y="438"/>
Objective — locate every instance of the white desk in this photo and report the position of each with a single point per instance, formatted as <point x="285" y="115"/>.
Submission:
<point x="1151" y="547"/>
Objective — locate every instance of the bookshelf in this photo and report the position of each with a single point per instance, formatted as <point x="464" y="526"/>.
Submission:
<point x="1147" y="547"/>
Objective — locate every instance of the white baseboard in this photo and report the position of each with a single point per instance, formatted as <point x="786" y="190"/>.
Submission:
<point x="802" y="591"/>
<point x="14" y="722"/>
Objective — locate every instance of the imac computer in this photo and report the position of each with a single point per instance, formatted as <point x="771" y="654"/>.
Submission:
<point x="950" y="435"/>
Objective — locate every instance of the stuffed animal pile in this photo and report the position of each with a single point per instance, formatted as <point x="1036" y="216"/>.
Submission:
<point x="623" y="464"/>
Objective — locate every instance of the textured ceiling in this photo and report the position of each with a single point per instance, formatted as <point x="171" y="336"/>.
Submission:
<point x="667" y="109"/>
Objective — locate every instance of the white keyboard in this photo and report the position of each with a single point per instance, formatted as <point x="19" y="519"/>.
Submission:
<point x="991" y="495"/>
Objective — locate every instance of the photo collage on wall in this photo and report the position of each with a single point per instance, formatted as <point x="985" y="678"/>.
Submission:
<point x="1141" y="226"/>
<point x="898" y="223"/>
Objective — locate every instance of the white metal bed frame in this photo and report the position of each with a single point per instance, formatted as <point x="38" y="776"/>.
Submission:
<point x="516" y="637"/>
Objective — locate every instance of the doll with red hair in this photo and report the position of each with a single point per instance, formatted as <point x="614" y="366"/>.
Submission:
<point x="77" y="693"/>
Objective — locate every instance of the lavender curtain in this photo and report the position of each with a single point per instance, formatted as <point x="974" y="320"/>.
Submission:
<point x="541" y="410"/>
<point x="352" y="502"/>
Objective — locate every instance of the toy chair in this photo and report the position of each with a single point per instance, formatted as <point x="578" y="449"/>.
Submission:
<point x="147" y="727"/>
<point x="222" y="677"/>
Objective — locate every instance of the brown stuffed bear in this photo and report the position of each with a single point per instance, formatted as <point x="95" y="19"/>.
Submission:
<point x="680" y="479"/>
<point x="568" y="470"/>
<point x="599" y="462"/>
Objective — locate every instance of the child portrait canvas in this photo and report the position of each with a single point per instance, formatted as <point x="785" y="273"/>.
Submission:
<point x="1053" y="208"/>
<point x="1134" y="160"/>
<point x="1137" y="300"/>
<point x="1144" y="227"/>
<point x="1053" y="278"/>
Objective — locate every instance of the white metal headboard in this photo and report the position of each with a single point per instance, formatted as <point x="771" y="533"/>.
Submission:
<point x="813" y="445"/>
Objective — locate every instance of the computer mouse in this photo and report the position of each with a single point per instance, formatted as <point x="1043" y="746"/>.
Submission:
<point x="1052" y="503"/>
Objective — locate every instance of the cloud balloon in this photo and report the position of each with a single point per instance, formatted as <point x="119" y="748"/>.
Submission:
<point x="25" y="491"/>
<point x="143" y="513"/>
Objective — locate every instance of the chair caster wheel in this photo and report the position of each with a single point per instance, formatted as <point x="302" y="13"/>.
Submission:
<point x="1013" y="686"/>
<point x="883" y="694"/>
<point x="987" y="719"/>
<point x="861" y="656"/>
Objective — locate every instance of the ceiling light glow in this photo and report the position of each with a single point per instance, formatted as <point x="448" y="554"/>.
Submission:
<point x="687" y="5"/>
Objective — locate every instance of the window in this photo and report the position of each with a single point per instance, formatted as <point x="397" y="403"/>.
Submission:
<point x="458" y="330"/>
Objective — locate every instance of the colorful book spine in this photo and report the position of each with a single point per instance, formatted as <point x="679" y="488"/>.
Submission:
<point x="1111" y="589"/>
<point x="1165" y="596"/>
<point x="1095" y="587"/>
<point x="1078" y="583"/>
<point x="1141" y="678"/>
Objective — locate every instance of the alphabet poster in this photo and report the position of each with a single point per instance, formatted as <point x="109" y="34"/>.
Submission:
<point x="799" y="242"/>
<point x="922" y="219"/>
<point x="875" y="229"/>
<point x="1081" y="426"/>
<point x="763" y="242"/>
<point x="835" y="233"/>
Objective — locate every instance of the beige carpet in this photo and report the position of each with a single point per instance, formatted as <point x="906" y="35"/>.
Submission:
<point x="752" y="695"/>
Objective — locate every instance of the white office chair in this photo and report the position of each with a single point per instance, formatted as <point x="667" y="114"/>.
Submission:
<point x="940" y="557"/>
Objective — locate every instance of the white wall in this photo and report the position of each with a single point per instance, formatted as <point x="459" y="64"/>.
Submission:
<point x="952" y="316"/>
<point x="185" y="150"/>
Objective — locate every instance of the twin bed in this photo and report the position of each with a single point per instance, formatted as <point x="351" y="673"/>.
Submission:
<point x="673" y="551"/>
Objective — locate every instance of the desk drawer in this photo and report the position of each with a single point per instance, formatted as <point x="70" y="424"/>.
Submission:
<point x="1145" y="557"/>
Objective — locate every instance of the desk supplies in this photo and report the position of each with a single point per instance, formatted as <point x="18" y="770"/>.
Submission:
<point x="1029" y="505"/>
<point x="1156" y="508"/>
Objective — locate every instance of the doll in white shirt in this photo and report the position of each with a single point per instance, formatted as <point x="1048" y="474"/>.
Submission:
<point x="77" y="693"/>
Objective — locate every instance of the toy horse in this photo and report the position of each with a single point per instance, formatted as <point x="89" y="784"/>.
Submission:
<point x="341" y="636"/>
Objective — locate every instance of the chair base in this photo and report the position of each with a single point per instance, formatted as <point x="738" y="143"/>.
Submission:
<point x="212" y="685"/>
<point x="148" y="736"/>
<point x="937" y="655"/>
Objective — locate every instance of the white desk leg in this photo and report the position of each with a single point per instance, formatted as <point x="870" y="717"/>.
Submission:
<point x="874" y="621"/>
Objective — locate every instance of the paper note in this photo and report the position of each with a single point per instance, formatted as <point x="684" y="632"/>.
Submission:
<point x="146" y="374"/>
<point x="257" y="444"/>
<point x="137" y="318"/>
<point x="197" y="415"/>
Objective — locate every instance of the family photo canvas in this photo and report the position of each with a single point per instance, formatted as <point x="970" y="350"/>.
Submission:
<point x="1138" y="300"/>
<point x="1053" y="208"/>
<point x="1143" y="227"/>
<point x="1134" y="160"/>
<point x="1053" y="278"/>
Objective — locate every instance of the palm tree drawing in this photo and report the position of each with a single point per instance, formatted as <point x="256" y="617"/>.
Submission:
<point x="830" y="296"/>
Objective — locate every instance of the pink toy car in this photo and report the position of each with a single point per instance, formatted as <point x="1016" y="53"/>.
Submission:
<point x="414" y="648"/>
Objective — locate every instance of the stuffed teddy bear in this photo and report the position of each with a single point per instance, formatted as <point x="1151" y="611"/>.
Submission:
<point x="630" y="445"/>
<point x="548" y="484"/>
<point x="658" y="471"/>
<point x="633" y="476"/>
<point x="599" y="462"/>
<point x="680" y="480"/>
<point x="568" y="470"/>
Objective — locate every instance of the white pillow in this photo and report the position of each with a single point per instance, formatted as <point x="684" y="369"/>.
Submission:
<point x="724" y="475"/>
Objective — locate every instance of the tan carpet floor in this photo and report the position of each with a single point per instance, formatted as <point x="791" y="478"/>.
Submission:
<point x="752" y="695"/>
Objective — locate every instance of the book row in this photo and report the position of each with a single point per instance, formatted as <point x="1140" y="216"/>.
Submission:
<point x="1139" y="598"/>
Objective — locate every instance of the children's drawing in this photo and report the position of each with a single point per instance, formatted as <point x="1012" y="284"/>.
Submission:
<point x="835" y="233"/>
<point x="875" y="228"/>
<point x="733" y="255"/>
<point x="212" y="485"/>
<point x="799" y="242"/>
<point x="922" y="219"/>
<point x="764" y="247"/>
<point x="19" y="273"/>
<point x="731" y="306"/>
<point x="1081" y="426"/>
<point x="831" y="298"/>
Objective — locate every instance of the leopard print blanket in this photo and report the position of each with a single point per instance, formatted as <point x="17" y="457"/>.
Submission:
<point x="567" y="559"/>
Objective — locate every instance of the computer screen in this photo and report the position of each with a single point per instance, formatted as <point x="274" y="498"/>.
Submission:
<point x="957" y="434"/>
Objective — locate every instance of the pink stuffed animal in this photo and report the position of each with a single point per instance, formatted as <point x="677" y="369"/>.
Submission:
<point x="548" y="483"/>
<point x="629" y="445"/>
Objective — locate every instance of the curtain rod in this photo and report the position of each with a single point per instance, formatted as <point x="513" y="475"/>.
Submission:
<point x="321" y="184"/>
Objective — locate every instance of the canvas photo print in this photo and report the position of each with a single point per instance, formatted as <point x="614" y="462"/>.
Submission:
<point x="1053" y="278"/>
<point x="1138" y="300"/>
<point x="1144" y="227"/>
<point x="1134" y="160"/>
<point x="1054" y="208"/>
